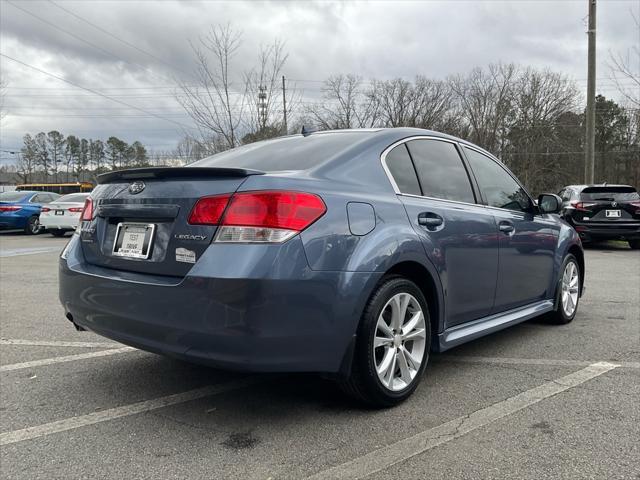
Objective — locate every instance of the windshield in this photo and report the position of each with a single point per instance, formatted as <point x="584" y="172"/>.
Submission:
<point x="286" y="153"/>
<point x="73" y="198"/>
<point x="610" y="194"/>
<point x="12" y="196"/>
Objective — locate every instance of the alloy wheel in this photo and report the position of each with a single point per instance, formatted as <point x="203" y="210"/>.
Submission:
<point x="570" y="288"/>
<point x="399" y="342"/>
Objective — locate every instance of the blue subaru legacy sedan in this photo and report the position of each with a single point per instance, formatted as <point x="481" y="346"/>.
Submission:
<point x="353" y="253"/>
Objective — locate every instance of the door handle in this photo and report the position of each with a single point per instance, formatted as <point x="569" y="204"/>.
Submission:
<point x="430" y="220"/>
<point x="506" y="227"/>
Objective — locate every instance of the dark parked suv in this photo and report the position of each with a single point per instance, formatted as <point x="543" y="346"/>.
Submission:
<point x="603" y="212"/>
<point x="354" y="253"/>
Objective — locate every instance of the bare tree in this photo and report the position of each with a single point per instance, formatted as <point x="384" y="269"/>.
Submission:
<point x="345" y="104"/>
<point x="263" y="88"/>
<point x="485" y="98"/>
<point x="625" y="69"/>
<point x="212" y="103"/>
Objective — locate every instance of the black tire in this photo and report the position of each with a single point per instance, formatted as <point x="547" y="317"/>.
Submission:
<point x="634" y="244"/>
<point x="33" y="225"/>
<point x="58" y="233"/>
<point x="363" y="383"/>
<point x="559" y="316"/>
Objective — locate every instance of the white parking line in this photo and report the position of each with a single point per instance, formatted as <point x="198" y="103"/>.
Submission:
<point x="67" y="358"/>
<point x="16" y="252"/>
<point x="124" y="411"/>
<point x="530" y="361"/>
<point x="46" y="343"/>
<point x="404" y="449"/>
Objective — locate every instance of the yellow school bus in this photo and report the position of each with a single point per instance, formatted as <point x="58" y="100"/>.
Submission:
<point x="61" y="188"/>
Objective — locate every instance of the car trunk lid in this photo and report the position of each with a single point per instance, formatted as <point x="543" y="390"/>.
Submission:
<point x="154" y="203"/>
<point x="609" y="204"/>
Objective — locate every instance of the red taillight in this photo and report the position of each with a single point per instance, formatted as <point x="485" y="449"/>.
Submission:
<point x="258" y="216"/>
<point x="76" y="209"/>
<point x="10" y="208"/>
<point x="87" y="210"/>
<point x="287" y="210"/>
<point x="45" y="210"/>
<point x="582" y="206"/>
<point x="208" y="210"/>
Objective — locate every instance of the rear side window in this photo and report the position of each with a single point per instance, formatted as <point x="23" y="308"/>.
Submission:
<point x="610" y="194"/>
<point x="497" y="186"/>
<point x="286" y="153"/>
<point x="440" y="170"/>
<point x="401" y="168"/>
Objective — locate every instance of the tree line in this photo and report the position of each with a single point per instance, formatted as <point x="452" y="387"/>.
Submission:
<point x="52" y="157"/>
<point x="532" y="119"/>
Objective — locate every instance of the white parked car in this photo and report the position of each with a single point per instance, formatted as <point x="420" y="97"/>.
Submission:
<point x="63" y="215"/>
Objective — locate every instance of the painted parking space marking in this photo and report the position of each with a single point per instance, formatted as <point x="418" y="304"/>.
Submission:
<point x="47" y="343"/>
<point x="72" y="423"/>
<point x="549" y="362"/>
<point x="16" y="252"/>
<point x="63" y="359"/>
<point x="402" y="450"/>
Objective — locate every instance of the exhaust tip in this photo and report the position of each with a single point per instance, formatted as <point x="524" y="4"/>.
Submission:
<point x="78" y="327"/>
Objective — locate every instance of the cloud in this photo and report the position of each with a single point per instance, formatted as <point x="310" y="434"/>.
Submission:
<point x="382" y="39"/>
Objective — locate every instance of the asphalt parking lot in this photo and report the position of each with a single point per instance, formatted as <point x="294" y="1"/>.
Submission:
<point x="533" y="402"/>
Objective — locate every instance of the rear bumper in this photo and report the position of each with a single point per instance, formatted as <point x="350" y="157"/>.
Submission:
<point x="626" y="231"/>
<point x="257" y="320"/>
<point x="59" y="222"/>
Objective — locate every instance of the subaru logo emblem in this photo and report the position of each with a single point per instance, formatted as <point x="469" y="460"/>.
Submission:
<point x="614" y="204"/>
<point x="136" y="187"/>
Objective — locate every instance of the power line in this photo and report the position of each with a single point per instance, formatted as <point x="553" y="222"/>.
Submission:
<point x="95" y="92"/>
<point x="106" y="32"/>
<point x="91" y="44"/>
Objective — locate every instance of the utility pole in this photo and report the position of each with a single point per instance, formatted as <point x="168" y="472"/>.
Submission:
<point x="590" y="141"/>
<point x="284" y="104"/>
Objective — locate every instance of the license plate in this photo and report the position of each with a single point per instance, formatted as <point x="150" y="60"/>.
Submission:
<point x="134" y="240"/>
<point x="59" y="212"/>
<point x="612" y="213"/>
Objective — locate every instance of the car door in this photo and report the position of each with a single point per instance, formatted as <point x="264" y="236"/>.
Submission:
<point x="528" y="239"/>
<point x="459" y="236"/>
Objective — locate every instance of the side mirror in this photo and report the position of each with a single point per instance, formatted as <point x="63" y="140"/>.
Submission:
<point x="549" y="203"/>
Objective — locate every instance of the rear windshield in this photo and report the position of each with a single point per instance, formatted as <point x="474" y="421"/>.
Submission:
<point x="12" y="196"/>
<point x="287" y="153"/>
<point x="610" y="194"/>
<point x="72" y="198"/>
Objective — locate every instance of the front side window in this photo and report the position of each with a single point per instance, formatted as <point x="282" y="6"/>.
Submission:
<point x="440" y="170"/>
<point x="401" y="168"/>
<point x="498" y="187"/>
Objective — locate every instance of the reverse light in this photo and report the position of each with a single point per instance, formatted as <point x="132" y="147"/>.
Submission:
<point x="76" y="209"/>
<point x="583" y="206"/>
<point x="10" y="208"/>
<point x="87" y="210"/>
<point x="258" y="216"/>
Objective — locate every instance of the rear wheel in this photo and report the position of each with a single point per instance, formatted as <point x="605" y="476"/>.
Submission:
<point x="58" y="233"/>
<point x="392" y="345"/>
<point x="33" y="225"/>
<point x="568" y="294"/>
<point x="634" y="244"/>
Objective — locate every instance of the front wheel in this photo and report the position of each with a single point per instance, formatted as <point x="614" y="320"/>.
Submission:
<point x="33" y="225"/>
<point x="568" y="294"/>
<point x="392" y="345"/>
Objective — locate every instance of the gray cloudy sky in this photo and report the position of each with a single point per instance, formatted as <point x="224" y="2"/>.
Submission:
<point x="381" y="39"/>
